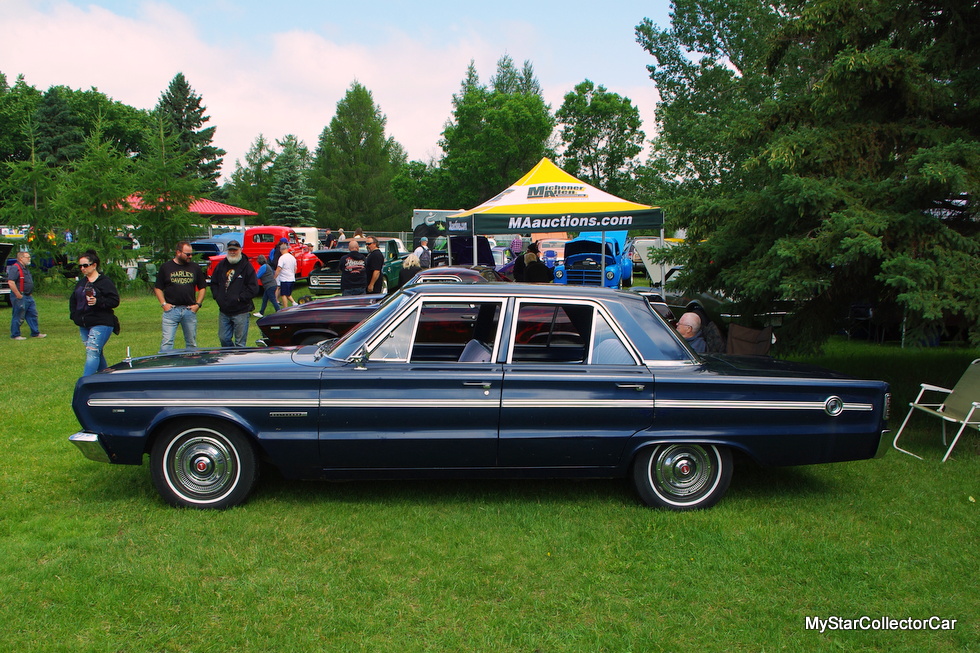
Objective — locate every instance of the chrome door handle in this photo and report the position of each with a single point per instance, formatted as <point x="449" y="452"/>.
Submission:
<point x="635" y="386"/>
<point x="478" y="384"/>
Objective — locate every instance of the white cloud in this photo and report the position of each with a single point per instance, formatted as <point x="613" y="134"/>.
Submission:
<point x="288" y="82"/>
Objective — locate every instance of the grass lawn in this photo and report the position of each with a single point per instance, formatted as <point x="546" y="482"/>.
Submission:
<point x="92" y="560"/>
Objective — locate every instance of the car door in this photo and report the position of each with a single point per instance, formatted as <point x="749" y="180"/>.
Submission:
<point x="413" y="404"/>
<point x="574" y="389"/>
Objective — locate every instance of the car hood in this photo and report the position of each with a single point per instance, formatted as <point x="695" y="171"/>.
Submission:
<point x="591" y="243"/>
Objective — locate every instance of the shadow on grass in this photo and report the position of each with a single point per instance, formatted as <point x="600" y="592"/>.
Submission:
<point x="755" y="482"/>
<point x="272" y="486"/>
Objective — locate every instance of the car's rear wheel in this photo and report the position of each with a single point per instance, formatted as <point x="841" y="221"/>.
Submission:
<point x="683" y="476"/>
<point x="203" y="464"/>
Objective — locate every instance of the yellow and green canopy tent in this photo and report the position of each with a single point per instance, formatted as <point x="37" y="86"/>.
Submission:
<point x="549" y="199"/>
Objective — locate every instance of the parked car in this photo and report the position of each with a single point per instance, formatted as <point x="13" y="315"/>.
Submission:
<point x="315" y="321"/>
<point x="332" y="317"/>
<point x="205" y="248"/>
<point x="477" y="380"/>
<point x="261" y="240"/>
<point x="596" y="259"/>
<point x="6" y="258"/>
<point x="326" y="280"/>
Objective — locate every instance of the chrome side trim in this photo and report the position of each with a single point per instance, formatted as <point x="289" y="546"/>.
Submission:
<point x="584" y="403"/>
<point x="205" y="403"/>
<point x="683" y="404"/>
<point x="701" y="404"/>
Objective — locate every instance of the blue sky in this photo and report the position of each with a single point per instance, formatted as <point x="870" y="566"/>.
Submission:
<point x="280" y="68"/>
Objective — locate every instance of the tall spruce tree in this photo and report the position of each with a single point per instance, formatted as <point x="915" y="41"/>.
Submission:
<point x="184" y="114"/>
<point x="825" y="152"/>
<point x="355" y="164"/>
<point x="290" y="202"/>
<point x="251" y="183"/>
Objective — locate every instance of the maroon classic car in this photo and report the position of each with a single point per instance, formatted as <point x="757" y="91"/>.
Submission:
<point x="323" y="319"/>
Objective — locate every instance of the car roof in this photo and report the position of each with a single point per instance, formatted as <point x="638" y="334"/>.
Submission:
<point x="542" y="290"/>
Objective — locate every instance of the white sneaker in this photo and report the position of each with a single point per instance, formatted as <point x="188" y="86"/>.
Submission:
<point x="256" y="315"/>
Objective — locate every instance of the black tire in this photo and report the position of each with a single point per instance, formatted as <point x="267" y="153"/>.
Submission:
<point x="682" y="476"/>
<point x="203" y="464"/>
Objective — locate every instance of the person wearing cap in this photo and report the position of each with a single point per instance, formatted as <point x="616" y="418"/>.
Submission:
<point x="275" y="252"/>
<point x="233" y="285"/>
<point x="423" y="252"/>
<point x="180" y="289"/>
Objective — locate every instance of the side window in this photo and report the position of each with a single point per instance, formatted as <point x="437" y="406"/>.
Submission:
<point x="441" y="332"/>
<point x="263" y="238"/>
<point x="607" y="348"/>
<point x="552" y="333"/>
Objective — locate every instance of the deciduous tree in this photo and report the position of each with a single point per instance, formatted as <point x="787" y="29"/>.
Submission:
<point x="601" y="136"/>
<point x="495" y="135"/>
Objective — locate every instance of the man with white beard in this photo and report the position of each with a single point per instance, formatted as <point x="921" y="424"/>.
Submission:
<point x="233" y="285"/>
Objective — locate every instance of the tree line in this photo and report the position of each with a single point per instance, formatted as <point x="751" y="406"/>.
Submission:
<point x="815" y="150"/>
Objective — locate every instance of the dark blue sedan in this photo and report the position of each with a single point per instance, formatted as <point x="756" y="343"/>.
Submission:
<point x="484" y="380"/>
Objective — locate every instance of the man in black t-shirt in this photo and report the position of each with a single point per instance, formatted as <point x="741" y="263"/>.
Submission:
<point x="353" y="272"/>
<point x="375" y="262"/>
<point x="180" y="288"/>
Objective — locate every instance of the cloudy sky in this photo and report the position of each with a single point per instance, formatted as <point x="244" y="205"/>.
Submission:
<point x="280" y="67"/>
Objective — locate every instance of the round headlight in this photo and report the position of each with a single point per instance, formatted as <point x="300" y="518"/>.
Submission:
<point x="610" y="274"/>
<point x="559" y="274"/>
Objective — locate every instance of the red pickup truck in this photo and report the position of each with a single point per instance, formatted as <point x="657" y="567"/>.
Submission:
<point x="261" y="240"/>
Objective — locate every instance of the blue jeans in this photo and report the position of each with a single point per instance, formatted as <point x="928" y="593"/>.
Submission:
<point x="94" y="339"/>
<point x="354" y="291"/>
<point x="23" y="309"/>
<point x="187" y="319"/>
<point x="269" y="297"/>
<point x="233" y="330"/>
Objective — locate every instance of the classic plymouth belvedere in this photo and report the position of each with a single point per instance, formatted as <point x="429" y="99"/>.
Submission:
<point x="482" y="380"/>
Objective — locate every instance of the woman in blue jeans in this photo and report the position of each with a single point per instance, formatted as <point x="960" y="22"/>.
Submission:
<point x="91" y="307"/>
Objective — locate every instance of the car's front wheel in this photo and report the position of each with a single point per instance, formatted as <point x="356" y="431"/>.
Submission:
<point x="205" y="464"/>
<point x="683" y="476"/>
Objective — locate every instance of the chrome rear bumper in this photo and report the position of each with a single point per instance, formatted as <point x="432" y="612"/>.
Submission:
<point x="89" y="445"/>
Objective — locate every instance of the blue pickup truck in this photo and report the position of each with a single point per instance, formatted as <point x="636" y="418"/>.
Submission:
<point x="586" y="264"/>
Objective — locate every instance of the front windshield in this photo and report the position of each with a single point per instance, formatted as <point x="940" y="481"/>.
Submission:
<point x="345" y="347"/>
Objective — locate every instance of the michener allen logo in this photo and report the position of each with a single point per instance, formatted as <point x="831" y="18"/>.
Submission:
<point x="545" y="191"/>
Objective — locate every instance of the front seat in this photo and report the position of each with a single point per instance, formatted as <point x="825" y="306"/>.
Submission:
<point x="475" y="352"/>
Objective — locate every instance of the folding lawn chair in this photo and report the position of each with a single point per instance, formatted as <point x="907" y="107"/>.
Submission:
<point x="961" y="406"/>
<point x="749" y="342"/>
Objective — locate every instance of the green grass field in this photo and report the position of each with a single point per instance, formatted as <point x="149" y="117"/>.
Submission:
<point x="92" y="560"/>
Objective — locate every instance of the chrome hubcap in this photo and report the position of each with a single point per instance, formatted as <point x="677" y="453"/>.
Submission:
<point x="682" y="471"/>
<point x="203" y="465"/>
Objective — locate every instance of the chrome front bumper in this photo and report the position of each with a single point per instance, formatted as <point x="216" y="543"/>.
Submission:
<point x="89" y="445"/>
